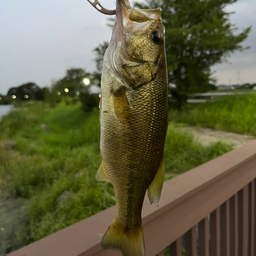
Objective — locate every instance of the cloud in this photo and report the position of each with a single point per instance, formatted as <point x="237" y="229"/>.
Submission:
<point x="236" y="76"/>
<point x="39" y="40"/>
<point x="244" y="61"/>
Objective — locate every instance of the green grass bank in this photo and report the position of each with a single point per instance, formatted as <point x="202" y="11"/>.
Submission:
<point x="42" y="165"/>
<point x="233" y="113"/>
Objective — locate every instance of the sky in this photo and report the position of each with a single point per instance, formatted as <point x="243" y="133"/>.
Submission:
<point x="40" y="40"/>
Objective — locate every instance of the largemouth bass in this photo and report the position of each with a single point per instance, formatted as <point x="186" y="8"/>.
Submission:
<point x="133" y="117"/>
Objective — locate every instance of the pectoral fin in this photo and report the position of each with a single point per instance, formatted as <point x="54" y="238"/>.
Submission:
<point x="101" y="173"/>
<point x="121" y="106"/>
<point x="155" y="188"/>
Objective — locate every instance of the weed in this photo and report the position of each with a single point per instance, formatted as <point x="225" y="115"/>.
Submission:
<point x="234" y="113"/>
<point x="47" y="165"/>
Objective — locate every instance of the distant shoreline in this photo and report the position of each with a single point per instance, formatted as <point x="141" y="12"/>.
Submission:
<point x="4" y="109"/>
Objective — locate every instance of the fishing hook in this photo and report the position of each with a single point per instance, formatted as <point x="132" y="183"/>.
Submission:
<point x="96" y="4"/>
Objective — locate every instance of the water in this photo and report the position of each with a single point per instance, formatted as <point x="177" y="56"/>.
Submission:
<point x="4" y="109"/>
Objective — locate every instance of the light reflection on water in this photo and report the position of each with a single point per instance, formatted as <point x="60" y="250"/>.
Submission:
<point x="4" y="109"/>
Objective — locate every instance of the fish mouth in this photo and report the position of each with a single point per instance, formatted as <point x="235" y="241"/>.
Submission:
<point x="122" y="18"/>
<point x="123" y="6"/>
<point x="122" y="13"/>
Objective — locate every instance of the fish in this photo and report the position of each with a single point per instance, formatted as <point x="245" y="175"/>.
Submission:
<point x="133" y="120"/>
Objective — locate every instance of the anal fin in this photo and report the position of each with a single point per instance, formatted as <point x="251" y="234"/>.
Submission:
<point x="155" y="188"/>
<point x="101" y="173"/>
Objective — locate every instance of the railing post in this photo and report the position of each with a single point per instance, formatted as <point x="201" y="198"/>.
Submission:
<point x="253" y="216"/>
<point x="233" y="207"/>
<point x="203" y="241"/>
<point x="251" y="220"/>
<point x="224" y="229"/>
<point x="190" y="242"/>
<point x="215" y="232"/>
<point x="176" y="247"/>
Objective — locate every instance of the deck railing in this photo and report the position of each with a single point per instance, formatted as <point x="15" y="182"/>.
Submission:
<point x="208" y="211"/>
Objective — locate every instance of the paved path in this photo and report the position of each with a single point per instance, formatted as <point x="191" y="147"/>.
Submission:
<point x="207" y="135"/>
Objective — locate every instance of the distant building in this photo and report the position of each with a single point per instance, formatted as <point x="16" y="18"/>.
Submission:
<point x="247" y="86"/>
<point x="225" y="87"/>
<point x="236" y="86"/>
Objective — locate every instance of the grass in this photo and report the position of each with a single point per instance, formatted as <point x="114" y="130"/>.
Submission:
<point x="234" y="113"/>
<point x="182" y="153"/>
<point x="43" y="165"/>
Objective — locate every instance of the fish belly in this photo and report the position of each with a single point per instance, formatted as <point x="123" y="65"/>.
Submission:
<point x="132" y="149"/>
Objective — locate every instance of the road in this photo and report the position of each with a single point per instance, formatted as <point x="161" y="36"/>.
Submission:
<point x="207" y="135"/>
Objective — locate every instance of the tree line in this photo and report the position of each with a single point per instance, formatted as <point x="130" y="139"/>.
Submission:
<point x="70" y="88"/>
<point x="199" y="34"/>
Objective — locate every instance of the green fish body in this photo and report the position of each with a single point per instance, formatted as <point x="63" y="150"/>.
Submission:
<point x="134" y="119"/>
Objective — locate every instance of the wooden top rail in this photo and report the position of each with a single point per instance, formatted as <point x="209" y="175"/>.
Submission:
<point x="185" y="201"/>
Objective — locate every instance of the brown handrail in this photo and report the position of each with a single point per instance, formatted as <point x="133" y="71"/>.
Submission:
<point x="201" y="199"/>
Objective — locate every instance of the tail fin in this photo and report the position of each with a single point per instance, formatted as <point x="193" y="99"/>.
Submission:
<point x="129" y="242"/>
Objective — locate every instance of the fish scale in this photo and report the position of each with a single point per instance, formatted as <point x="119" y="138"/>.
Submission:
<point x="133" y="119"/>
<point x="135" y="149"/>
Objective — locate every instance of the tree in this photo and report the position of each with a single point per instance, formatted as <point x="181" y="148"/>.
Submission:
<point x="74" y="73"/>
<point x="88" y="101"/>
<point x="212" y="87"/>
<point x="71" y="83"/>
<point x="99" y="51"/>
<point x="5" y="99"/>
<point x="198" y="36"/>
<point x="25" y="91"/>
<point x="246" y="86"/>
<point x="40" y="94"/>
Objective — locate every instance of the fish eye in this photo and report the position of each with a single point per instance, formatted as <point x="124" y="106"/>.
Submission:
<point x="155" y="37"/>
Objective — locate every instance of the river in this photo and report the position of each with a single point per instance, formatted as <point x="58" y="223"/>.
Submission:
<point x="4" y="109"/>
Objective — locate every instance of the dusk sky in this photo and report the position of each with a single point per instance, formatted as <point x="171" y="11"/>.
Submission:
<point x="40" y="40"/>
